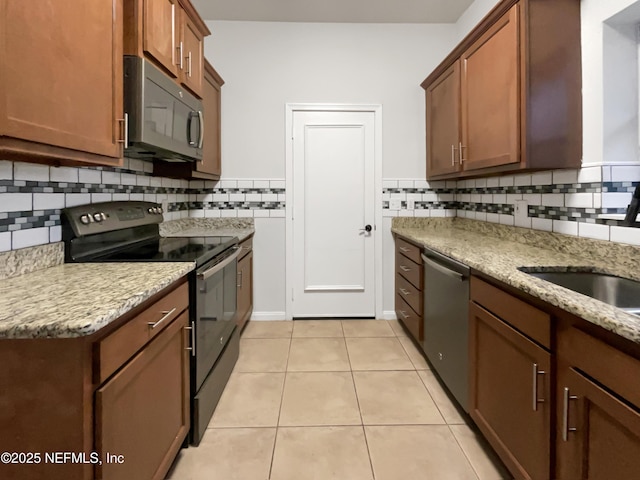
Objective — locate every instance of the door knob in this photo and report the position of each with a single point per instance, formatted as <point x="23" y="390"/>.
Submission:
<point x="367" y="228"/>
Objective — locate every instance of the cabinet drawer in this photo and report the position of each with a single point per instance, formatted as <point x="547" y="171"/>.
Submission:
<point x="410" y="270"/>
<point x="409" y="250"/>
<point x="524" y="317"/>
<point x="409" y="318"/>
<point x="409" y="294"/>
<point x="117" y="348"/>
<point x="246" y="246"/>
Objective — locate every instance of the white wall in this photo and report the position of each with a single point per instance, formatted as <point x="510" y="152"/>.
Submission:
<point x="610" y="108"/>
<point x="266" y="65"/>
<point x="472" y="16"/>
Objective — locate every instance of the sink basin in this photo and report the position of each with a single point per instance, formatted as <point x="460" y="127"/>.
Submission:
<point x="617" y="291"/>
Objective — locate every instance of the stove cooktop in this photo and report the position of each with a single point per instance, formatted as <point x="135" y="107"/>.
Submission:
<point x="171" y="249"/>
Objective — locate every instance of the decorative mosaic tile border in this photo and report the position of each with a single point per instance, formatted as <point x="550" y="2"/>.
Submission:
<point x="496" y="199"/>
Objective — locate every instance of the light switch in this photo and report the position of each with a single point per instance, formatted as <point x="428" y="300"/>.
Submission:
<point x="395" y="204"/>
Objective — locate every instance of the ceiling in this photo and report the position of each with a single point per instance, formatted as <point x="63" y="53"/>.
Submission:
<point x="334" y="11"/>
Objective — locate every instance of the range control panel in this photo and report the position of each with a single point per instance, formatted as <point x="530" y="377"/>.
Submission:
<point x="110" y="216"/>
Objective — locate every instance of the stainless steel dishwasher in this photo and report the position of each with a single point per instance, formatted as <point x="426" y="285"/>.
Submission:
<point x="446" y="312"/>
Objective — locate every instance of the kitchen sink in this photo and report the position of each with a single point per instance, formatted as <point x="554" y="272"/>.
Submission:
<point x="617" y="291"/>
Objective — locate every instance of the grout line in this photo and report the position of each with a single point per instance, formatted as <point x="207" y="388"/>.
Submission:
<point x="284" y="383"/>
<point x="426" y="387"/>
<point x="464" y="452"/>
<point x="364" y="432"/>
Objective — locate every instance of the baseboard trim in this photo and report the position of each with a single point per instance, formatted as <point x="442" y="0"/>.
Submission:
<point x="389" y="315"/>
<point x="268" y="316"/>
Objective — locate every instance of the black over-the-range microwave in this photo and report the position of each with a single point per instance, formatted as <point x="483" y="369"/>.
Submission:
<point x="162" y="119"/>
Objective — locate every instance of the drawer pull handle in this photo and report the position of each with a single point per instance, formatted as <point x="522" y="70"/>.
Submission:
<point x="404" y="292"/>
<point x="404" y="249"/>
<point x="167" y="314"/>
<point x="536" y="400"/>
<point x="239" y="285"/>
<point x="565" y="414"/>
<point x="404" y="314"/>
<point x="192" y="348"/>
<point x="404" y="269"/>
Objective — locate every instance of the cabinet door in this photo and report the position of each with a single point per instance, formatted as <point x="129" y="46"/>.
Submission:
<point x="598" y="434"/>
<point x="61" y="81"/>
<point x="142" y="413"/>
<point x="193" y="56"/>
<point x="490" y="95"/>
<point x="161" y="33"/>
<point x="510" y="396"/>
<point x="443" y="123"/>
<point x="245" y="289"/>
<point x="211" y="148"/>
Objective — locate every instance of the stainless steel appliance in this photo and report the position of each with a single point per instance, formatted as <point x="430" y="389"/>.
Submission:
<point x="162" y="120"/>
<point x="129" y="232"/>
<point x="446" y="312"/>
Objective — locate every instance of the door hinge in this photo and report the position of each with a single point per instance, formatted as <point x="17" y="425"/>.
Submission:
<point x="292" y="294"/>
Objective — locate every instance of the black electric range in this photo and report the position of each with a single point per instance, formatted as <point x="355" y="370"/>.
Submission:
<point x="129" y="232"/>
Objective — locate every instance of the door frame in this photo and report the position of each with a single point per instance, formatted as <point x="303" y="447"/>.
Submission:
<point x="376" y="109"/>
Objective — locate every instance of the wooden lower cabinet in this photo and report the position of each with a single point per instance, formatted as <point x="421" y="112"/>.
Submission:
<point x="510" y="393"/>
<point x="598" y="433"/>
<point x="571" y="413"/>
<point x="68" y="395"/>
<point x="142" y="413"/>
<point x="245" y="283"/>
<point x="598" y="410"/>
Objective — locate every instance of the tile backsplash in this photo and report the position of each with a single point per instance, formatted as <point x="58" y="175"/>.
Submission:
<point x="33" y="195"/>
<point x="587" y="202"/>
<point x="573" y="202"/>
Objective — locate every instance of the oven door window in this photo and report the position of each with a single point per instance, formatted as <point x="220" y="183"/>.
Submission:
<point x="216" y="309"/>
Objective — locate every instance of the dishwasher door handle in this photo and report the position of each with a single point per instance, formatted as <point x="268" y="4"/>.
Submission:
<point x="442" y="268"/>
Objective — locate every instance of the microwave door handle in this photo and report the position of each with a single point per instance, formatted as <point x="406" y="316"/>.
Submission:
<point x="189" y="120"/>
<point x="201" y="136"/>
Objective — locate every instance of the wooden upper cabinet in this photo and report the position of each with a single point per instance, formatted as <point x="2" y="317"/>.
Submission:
<point x="212" y="145"/>
<point x="161" y="33"/>
<point x="61" y="81"/>
<point x="519" y="99"/>
<point x="443" y="122"/>
<point x="489" y="95"/>
<point x="193" y="56"/>
<point x="171" y="34"/>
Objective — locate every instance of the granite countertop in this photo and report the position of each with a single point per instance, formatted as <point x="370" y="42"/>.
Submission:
<point x="499" y="251"/>
<point x="208" y="227"/>
<point x="78" y="299"/>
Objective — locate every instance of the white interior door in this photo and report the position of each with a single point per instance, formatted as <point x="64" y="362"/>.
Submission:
<point x="333" y="203"/>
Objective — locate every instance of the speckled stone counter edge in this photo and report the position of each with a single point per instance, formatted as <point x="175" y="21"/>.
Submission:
<point x="623" y="255"/>
<point x="499" y="251"/>
<point x="58" y="304"/>
<point x="175" y="226"/>
<point x="30" y="259"/>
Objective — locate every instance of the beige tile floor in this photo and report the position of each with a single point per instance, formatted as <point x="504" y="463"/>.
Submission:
<point x="335" y="400"/>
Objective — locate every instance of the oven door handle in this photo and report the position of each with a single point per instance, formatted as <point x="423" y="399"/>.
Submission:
<point x="219" y="266"/>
